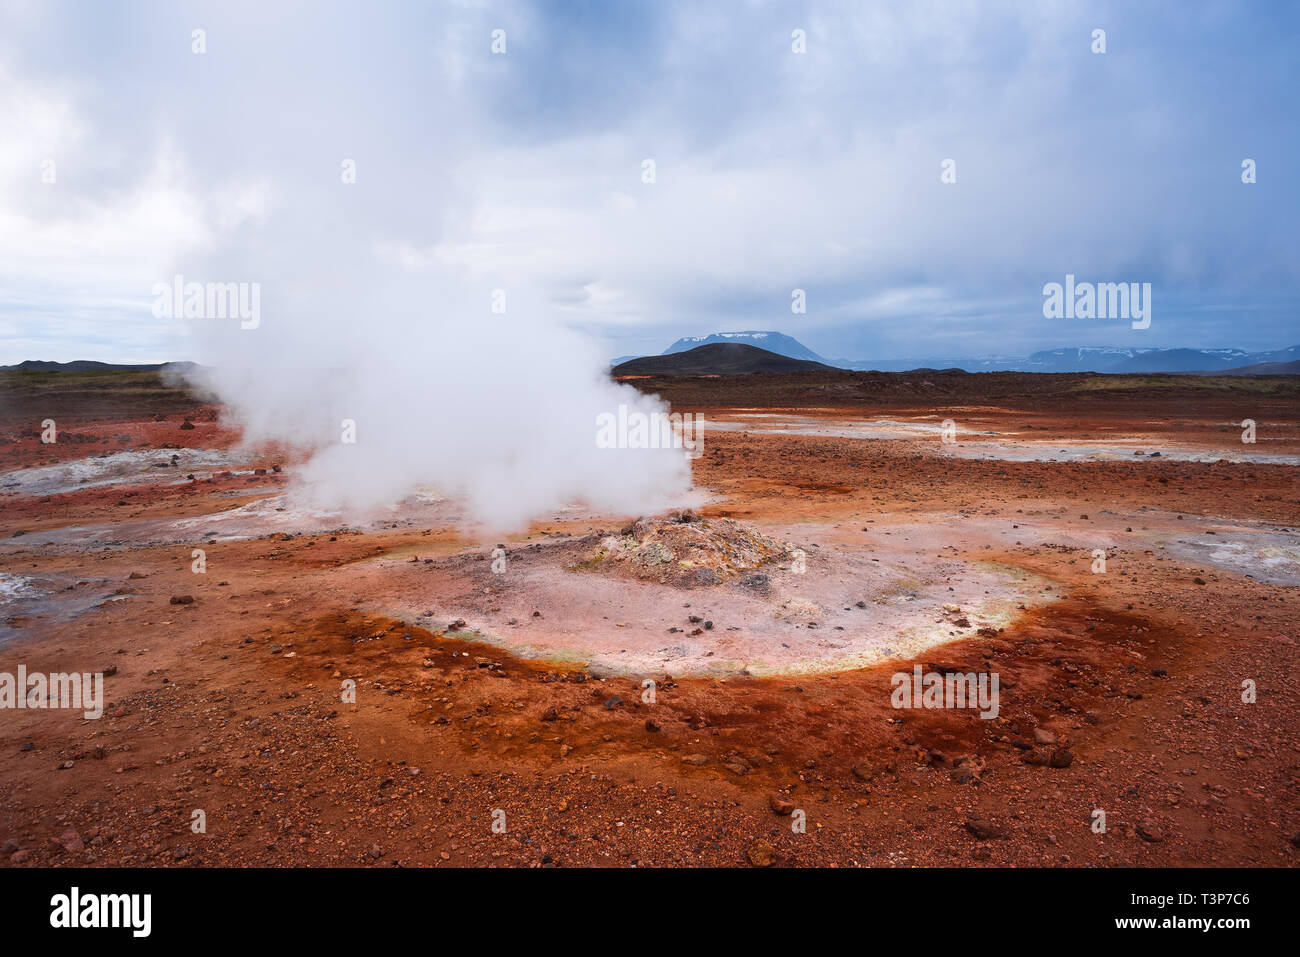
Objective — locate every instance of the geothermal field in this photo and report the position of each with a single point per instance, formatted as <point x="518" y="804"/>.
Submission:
<point x="712" y="684"/>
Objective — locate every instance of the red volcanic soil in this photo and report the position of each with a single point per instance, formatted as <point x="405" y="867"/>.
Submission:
<point x="1123" y="693"/>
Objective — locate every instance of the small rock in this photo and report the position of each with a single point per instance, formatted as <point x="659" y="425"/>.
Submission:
<point x="1150" y="831"/>
<point x="983" y="829"/>
<point x="72" y="841"/>
<point x="937" y="759"/>
<point x="761" y="854"/>
<point x="780" y="804"/>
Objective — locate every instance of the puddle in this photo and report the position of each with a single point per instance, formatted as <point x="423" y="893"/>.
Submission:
<point x="1011" y="450"/>
<point x="14" y="587"/>
<point x="120" y="468"/>
<point x="1135" y="452"/>
<point x="276" y="513"/>
<point x="1266" y="557"/>
<point x="776" y="424"/>
<point x="27" y="605"/>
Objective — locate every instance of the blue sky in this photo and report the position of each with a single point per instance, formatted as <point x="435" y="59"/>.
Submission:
<point x="775" y="170"/>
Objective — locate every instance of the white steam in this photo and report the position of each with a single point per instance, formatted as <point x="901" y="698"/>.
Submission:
<point x="373" y="225"/>
<point x="495" y="411"/>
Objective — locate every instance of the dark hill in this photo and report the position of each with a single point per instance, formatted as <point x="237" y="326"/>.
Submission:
<point x="718" y="358"/>
<point x="1263" y="368"/>
<point x="90" y="365"/>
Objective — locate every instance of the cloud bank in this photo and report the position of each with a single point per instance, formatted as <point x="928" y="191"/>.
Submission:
<point x="775" y="170"/>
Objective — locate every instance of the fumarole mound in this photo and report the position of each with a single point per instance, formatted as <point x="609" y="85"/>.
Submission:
<point x="685" y="551"/>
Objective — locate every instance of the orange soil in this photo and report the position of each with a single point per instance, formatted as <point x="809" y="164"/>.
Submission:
<point x="232" y="705"/>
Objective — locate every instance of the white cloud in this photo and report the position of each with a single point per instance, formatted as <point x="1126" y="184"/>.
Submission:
<point x="775" y="170"/>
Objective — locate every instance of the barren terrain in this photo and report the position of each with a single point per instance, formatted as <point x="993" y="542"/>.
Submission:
<point x="520" y="689"/>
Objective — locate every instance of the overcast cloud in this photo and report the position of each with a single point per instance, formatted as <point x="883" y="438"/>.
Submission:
<point x="523" y="171"/>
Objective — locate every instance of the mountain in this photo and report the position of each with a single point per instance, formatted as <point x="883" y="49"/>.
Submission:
<point x="90" y="365"/>
<point x="993" y="364"/>
<point x="1088" y="359"/>
<point x="782" y="345"/>
<point x="1053" y="360"/>
<point x="1181" y="360"/>
<point x="1278" y="355"/>
<point x="1109" y="359"/>
<point x="1263" y="368"/>
<point x="718" y="358"/>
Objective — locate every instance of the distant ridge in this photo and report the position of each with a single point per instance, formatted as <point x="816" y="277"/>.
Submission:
<point x="1261" y="368"/>
<point x="1108" y="359"/>
<point x="718" y="358"/>
<point x="90" y="365"/>
<point x="777" y="342"/>
<point x="1180" y="360"/>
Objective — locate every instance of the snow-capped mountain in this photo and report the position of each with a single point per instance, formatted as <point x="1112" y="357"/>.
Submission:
<point x="776" y="342"/>
<point x="1117" y="359"/>
<point x="1089" y="359"/>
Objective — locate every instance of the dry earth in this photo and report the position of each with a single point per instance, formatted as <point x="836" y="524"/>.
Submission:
<point x="521" y="691"/>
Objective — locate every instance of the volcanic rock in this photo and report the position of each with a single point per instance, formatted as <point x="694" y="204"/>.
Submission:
<point x="984" y="830"/>
<point x="761" y="854"/>
<point x="675" y="552"/>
